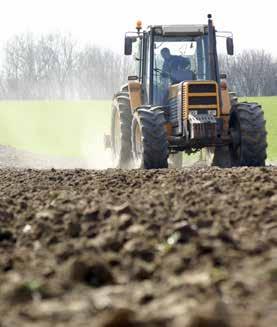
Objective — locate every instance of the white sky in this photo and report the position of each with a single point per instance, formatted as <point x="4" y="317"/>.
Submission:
<point x="103" y="22"/>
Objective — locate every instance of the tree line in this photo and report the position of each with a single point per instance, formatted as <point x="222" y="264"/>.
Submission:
<point x="251" y="73"/>
<point x="56" y="66"/>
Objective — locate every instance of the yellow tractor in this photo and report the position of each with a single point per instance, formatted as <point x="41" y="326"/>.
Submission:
<point x="179" y="102"/>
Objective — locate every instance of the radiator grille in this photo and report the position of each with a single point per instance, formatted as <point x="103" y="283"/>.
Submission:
<point x="202" y="88"/>
<point x="202" y="100"/>
<point x="199" y="96"/>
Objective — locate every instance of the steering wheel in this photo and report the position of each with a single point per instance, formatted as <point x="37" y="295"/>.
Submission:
<point x="160" y="72"/>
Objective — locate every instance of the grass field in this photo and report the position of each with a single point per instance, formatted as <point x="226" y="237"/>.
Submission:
<point x="76" y="128"/>
<point x="56" y="128"/>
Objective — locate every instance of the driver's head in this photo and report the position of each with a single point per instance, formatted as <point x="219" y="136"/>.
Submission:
<point x="165" y="53"/>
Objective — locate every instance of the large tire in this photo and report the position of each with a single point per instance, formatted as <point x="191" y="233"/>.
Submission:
<point x="222" y="157"/>
<point x="248" y="132"/>
<point x="121" y="131"/>
<point x="149" y="139"/>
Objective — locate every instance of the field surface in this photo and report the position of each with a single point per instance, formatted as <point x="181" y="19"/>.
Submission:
<point x="76" y="128"/>
<point x="187" y="248"/>
<point x="195" y="247"/>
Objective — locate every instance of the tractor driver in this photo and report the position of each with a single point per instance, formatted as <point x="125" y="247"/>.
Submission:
<point x="177" y="68"/>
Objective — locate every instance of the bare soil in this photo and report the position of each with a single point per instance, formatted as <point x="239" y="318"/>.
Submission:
<point x="191" y="247"/>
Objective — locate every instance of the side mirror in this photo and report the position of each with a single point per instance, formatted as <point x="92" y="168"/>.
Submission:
<point x="230" y="46"/>
<point x="128" y="46"/>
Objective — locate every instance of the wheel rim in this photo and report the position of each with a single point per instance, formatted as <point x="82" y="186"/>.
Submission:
<point x="117" y="135"/>
<point x="138" y="150"/>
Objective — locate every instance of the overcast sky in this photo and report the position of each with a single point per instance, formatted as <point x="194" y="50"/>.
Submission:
<point x="103" y="22"/>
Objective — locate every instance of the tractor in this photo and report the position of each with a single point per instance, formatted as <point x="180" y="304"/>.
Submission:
<point x="178" y="101"/>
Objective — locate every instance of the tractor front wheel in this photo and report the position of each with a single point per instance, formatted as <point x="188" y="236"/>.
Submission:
<point x="247" y="129"/>
<point x="149" y="140"/>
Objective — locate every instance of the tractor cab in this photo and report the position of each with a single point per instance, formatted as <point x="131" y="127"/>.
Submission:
<point x="166" y="55"/>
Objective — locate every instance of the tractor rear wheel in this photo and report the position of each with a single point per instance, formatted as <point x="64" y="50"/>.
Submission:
<point x="247" y="129"/>
<point x="121" y="131"/>
<point x="149" y="140"/>
<point x="216" y="156"/>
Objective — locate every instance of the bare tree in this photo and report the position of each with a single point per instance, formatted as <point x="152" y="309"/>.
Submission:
<point x="251" y="73"/>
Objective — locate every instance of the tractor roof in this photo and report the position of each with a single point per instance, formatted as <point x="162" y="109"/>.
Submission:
<point x="175" y="30"/>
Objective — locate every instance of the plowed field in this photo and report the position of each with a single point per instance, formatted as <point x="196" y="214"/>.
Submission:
<point x="193" y="247"/>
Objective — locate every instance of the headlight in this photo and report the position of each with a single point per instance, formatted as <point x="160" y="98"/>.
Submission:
<point x="194" y="112"/>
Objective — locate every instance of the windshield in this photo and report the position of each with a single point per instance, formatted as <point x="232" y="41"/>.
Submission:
<point x="178" y="59"/>
<point x="189" y="52"/>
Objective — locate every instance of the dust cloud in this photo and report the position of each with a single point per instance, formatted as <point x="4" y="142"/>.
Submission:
<point x="93" y="150"/>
